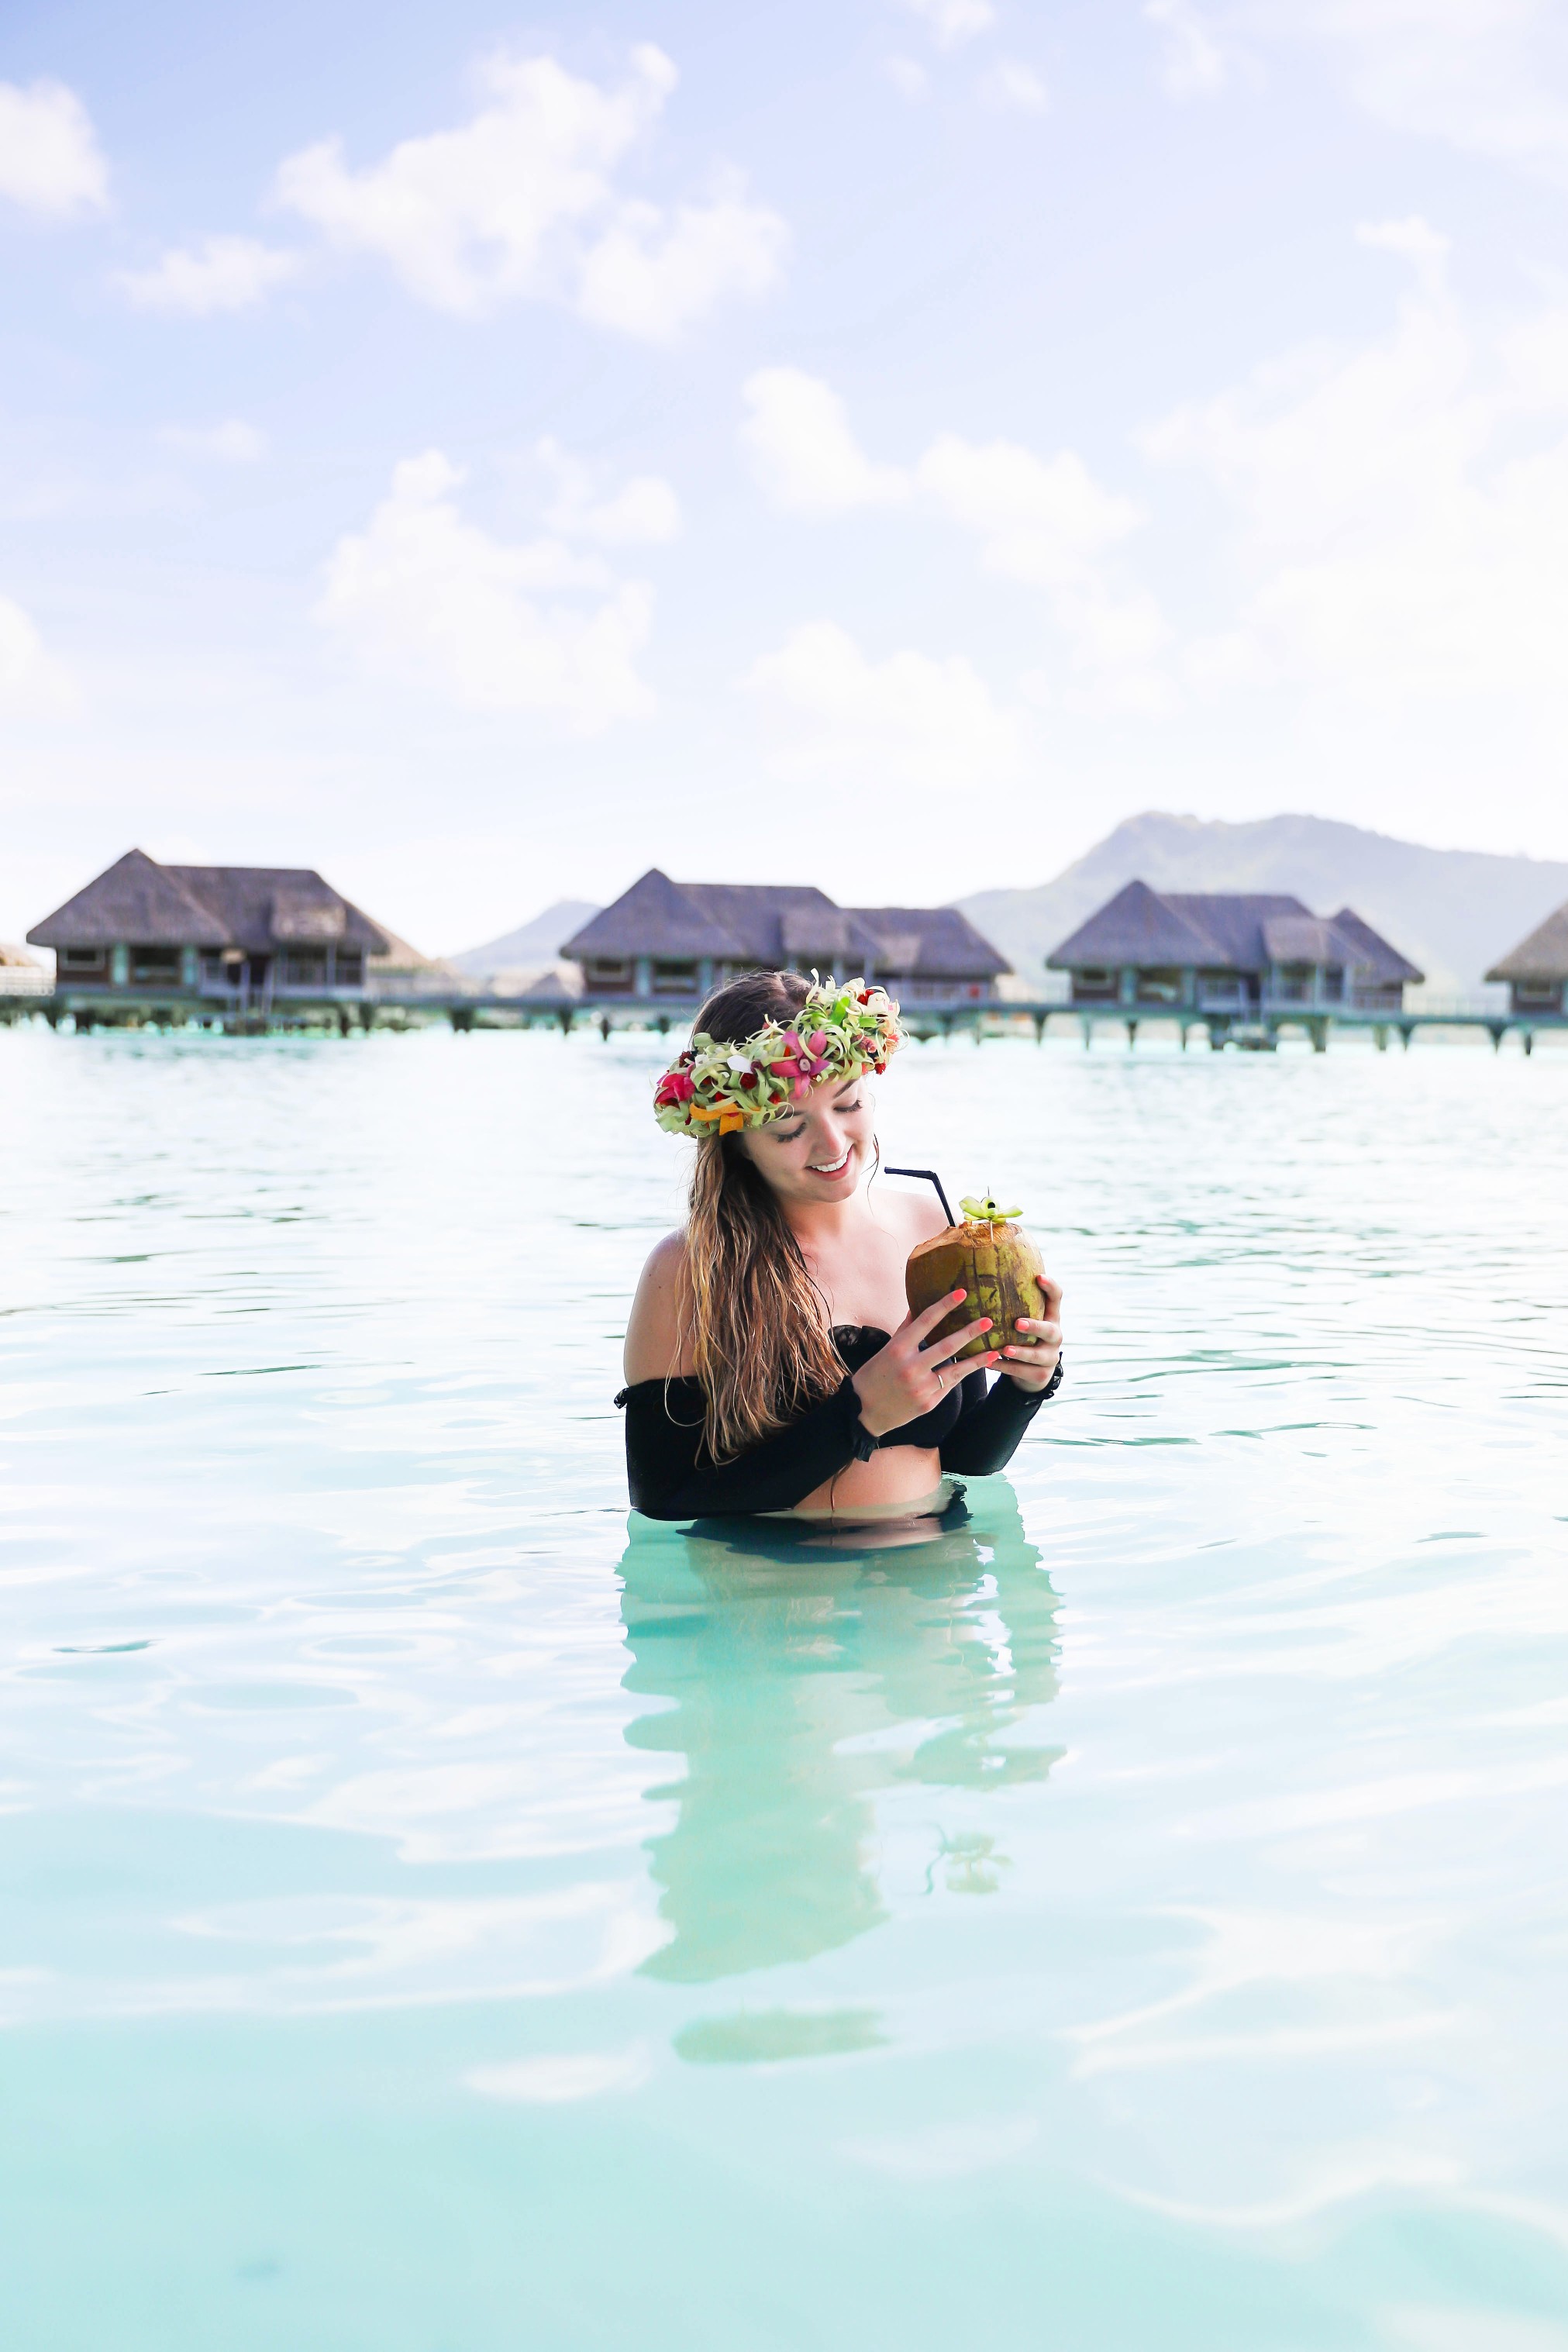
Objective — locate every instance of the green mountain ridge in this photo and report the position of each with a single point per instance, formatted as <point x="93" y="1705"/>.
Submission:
<point x="1452" y="912"/>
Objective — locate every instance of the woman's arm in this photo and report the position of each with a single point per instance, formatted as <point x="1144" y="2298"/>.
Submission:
<point x="667" y="1469"/>
<point x="659" y="1332"/>
<point x="671" y="1477"/>
<point x="985" y="1437"/>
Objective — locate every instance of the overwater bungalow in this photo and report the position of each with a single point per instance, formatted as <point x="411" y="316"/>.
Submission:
<point x="1233" y="955"/>
<point x="679" y="940"/>
<point x="240" y="942"/>
<point x="20" y="974"/>
<point x="1536" y="970"/>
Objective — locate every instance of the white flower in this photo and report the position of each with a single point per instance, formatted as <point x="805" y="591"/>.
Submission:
<point x="739" y="1062"/>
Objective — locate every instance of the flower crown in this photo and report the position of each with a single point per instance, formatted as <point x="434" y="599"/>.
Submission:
<point x="837" y="1034"/>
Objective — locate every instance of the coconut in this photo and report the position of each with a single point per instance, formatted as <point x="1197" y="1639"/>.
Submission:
<point x="989" y="1256"/>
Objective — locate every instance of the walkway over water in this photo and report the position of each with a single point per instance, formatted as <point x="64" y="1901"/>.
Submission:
<point x="1257" y="1030"/>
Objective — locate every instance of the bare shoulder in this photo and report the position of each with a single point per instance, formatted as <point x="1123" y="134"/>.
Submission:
<point x="914" y="1215"/>
<point x="658" y="1335"/>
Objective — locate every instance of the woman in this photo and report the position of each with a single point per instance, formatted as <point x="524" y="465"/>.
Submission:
<point x="770" y="1364"/>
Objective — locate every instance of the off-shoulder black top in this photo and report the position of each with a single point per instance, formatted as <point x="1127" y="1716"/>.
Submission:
<point x="673" y="1477"/>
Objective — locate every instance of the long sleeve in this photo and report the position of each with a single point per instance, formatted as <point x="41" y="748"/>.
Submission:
<point x="986" y="1435"/>
<point x="671" y="1478"/>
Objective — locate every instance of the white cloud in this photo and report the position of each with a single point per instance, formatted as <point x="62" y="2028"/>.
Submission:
<point x="497" y="627"/>
<point x="908" y="722"/>
<point x="951" y="22"/>
<point x="520" y="202"/>
<point x="219" y="273"/>
<point x="1479" y="73"/>
<point x="1196" y="63"/>
<point x="467" y="217"/>
<point x="1015" y="88"/>
<point x="1487" y="76"/>
<point x="50" y="162"/>
<point x="802" y="450"/>
<point x="644" y="511"/>
<point x="232" y="443"/>
<point x="1047" y="522"/>
<point x="1399" y="511"/>
<point x="1043" y="521"/>
<point x="652" y="272"/>
<point x="30" y="677"/>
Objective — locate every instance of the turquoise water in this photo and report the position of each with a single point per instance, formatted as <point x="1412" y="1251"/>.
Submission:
<point x="434" y="1918"/>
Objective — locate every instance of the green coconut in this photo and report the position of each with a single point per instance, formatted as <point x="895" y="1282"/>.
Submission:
<point x="989" y="1256"/>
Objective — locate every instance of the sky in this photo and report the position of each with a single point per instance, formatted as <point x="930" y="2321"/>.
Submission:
<point x="878" y="444"/>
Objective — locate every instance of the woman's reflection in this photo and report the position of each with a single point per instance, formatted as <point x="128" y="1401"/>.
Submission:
<point x="804" y="1676"/>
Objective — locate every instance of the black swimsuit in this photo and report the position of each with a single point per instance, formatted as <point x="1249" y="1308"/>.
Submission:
<point x="672" y="1475"/>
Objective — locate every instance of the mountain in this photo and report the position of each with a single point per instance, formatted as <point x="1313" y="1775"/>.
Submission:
<point x="1452" y="912"/>
<point x="538" y="943"/>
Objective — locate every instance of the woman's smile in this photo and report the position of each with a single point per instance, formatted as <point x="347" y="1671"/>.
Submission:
<point x="833" y="1168"/>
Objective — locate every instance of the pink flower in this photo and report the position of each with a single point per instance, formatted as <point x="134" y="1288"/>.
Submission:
<point x="675" y="1087"/>
<point x="805" y="1063"/>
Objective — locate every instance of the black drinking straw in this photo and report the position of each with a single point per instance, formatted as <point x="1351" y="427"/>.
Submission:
<point x="931" y="1177"/>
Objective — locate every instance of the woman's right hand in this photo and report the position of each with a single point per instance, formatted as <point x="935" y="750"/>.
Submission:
<point x="903" y="1380"/>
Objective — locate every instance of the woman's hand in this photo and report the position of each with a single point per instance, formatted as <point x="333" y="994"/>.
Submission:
<point x="903" y="1380"/>
<point x="1032" y="1363"/>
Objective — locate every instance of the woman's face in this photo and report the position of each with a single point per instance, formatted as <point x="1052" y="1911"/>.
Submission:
<point x="822" y="1149"/>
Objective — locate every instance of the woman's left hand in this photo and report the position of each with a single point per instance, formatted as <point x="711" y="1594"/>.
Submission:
<point x="1032" y="1362"/>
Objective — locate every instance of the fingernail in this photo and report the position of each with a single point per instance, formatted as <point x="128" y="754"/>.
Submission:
<point x="985" y="1322"/>
<point x="1023" y="1323"/>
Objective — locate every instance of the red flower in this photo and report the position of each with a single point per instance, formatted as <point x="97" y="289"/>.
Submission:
<point x="675" y="1087"/>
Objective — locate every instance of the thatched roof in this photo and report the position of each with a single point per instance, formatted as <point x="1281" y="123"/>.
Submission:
<point x="735" y="923"/>
<point x="257" y="908"/>
<point x="1371" y="952"/>
<point x="781" y="925"/>
<point x="1225" y="931"/>
<point x="1542" y="956"/>
<point x="1300" y="938"/>
<point x="133" y="900"/>
<point x="1139" y="926"/>
<point x="930" y="943"/>
<point x="17" y="960"/>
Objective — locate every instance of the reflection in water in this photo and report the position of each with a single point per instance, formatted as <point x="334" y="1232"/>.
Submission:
<point x="764" y="2037"/>
<point x="806" y="1675"/>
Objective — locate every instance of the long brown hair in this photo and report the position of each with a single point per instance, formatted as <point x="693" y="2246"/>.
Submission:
<point x="763" y="1352"/>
